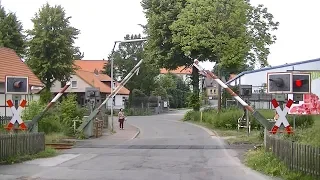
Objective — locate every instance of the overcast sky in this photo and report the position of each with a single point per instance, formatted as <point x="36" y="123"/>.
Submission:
<point x="103" y="21"/>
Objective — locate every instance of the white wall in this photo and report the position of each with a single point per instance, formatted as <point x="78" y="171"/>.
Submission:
<point x="258" y="78"/>
<point x="119" y="103"/>
<point x="81" y="85"/>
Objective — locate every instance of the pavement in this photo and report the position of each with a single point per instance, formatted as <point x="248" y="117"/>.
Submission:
<point x="165" y="149"/>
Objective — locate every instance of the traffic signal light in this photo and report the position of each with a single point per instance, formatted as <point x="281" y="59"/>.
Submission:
<point x="246" y="90"/>
<point x="279" y="83"/>
<point x="17" y="85"/>
<point x="301" y="83"/>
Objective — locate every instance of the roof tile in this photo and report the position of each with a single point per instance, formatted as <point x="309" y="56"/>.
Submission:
<point x="12" y="65"/>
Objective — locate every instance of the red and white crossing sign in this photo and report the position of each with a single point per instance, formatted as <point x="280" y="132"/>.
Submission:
<point x="282" y="116"/>
<point x="16" y="115"/>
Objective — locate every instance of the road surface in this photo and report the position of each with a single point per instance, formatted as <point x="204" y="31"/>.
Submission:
<point x="166" y="149"/>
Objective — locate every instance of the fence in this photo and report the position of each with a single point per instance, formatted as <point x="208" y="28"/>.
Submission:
<point x="21" y="144"/>
<point x="299" y="157"/>
<point x="4" y="119"/>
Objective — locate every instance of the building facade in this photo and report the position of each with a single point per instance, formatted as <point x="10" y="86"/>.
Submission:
<point x="258" y="80"/>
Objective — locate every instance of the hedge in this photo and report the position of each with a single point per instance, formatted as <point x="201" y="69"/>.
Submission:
<point x="228" y="118"/>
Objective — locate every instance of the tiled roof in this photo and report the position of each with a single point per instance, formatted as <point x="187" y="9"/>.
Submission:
<point x="91" y="65"/>
<point x="179" y="70"/>
<point x="12" y="65"/>
<point x="96" y="81"/>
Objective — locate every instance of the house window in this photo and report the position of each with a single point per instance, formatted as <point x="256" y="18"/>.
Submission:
<point x="214" y="91"/>
<point x="74" y="84"/>
<point x="210" y="91"/>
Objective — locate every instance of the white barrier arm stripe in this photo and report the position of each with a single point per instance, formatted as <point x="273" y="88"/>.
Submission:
<point x="221" y="83"/>
<point x="57" y="97"/>
<point x="242" y="102"/>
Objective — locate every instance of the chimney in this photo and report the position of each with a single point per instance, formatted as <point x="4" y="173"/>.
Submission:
<point x="96" y="72"/>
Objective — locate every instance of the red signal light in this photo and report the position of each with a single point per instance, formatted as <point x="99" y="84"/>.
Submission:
<point x="298" y="83"/>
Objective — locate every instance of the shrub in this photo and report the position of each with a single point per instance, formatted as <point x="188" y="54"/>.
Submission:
<point x="59" y="118"/>
<point x="49" y="122"/>
<point x="192" y="116"/>
<point x="137" y="112"/>
<point x="227" y="118"/>
<point x="68" y="111"/>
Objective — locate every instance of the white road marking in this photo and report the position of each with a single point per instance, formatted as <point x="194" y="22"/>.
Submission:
<point x="53" y="161"/>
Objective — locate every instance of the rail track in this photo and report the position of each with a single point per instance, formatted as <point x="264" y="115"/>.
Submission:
<point x="60" y="146"/>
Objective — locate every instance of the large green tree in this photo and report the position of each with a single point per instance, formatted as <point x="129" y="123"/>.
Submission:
<point x="160" y="48"/>
<point x="11" y="32"/>
<point x="232" y="32"/>
<point x="51" y="50"/>
<point x="125" y="58"/>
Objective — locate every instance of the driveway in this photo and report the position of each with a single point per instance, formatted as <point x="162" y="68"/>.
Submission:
<point x="166" y="149"/>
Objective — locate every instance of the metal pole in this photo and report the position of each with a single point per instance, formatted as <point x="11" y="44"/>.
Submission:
<point x="123" y="82"/>
<point x="111" y="92"/>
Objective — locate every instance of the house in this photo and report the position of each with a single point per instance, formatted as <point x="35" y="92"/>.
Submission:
<point x="12" y="65"/>
<point x="211" y="87"/>
<point x="258" y="79"/>
<point x="89" y="75"/>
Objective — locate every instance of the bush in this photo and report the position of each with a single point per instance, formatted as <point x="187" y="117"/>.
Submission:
<point x="59" y="118"/>
<point x="228" y="118"/>
<point x="137" y="112"/>
<point x="68" y="111"/>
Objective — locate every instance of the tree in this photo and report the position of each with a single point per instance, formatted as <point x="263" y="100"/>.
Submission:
<point x="160" y="48"/>
<point x="11" y="35"/>
<point x="125" y="58"/>
<point x="51" y="45"/>
<point x="232" y="32"/>
<point x="77" y="55"/>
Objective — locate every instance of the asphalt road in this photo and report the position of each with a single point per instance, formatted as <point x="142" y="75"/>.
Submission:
<point x="166" y="149"/>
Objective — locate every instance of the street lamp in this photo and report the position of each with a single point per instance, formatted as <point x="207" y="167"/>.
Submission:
<point x="115" y="43"/>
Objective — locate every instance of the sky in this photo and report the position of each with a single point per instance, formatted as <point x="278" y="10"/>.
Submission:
<point x="102" y="22"/>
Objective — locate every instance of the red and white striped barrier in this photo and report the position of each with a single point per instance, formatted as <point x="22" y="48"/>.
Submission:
<point x="229" y="90"/>
<point x="255" y="114"/>
<point x="53" y="101"/>
<point x="16" y="115"/>
<point x="282" y="116"/>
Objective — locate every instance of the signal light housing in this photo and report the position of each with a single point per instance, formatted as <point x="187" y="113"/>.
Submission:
<point x="301" y="83"/>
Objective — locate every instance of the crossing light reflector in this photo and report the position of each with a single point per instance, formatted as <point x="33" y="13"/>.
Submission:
<point x="279" y="82"/>
<point x="301" y="83"/>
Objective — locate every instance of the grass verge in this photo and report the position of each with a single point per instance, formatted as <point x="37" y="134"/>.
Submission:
<point x="48" y="152"/>
<point x="267" y="163"/>
<point x="55" y="137"/>
<point x="234" y="136"/>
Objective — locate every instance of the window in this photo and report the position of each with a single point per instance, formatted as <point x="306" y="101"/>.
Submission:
<point x="210" y="91"/>
<point x="74" y="84"/>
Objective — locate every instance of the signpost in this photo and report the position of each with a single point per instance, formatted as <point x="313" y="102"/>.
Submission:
<point x="282" y="117"/>
<point x="16" y="115"/>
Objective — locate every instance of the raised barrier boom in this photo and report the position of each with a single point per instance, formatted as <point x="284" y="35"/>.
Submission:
<point x="262" y="120"/>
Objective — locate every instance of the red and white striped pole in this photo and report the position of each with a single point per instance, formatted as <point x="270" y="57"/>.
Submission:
<point x="256" y="114"/>
<point x="51" y="103"/>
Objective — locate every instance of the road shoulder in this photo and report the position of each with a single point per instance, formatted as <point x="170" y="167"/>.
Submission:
<point x="238" y="153"/>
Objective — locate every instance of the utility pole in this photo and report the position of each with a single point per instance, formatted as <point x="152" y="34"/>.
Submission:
<point x="111" y="73"/>
<point x="219" y="90"/>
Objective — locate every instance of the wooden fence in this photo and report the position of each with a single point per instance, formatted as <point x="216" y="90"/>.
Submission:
<point x="21" y="144"/>
<point x="299" y="157"/>
<point x="4" y="119"/>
